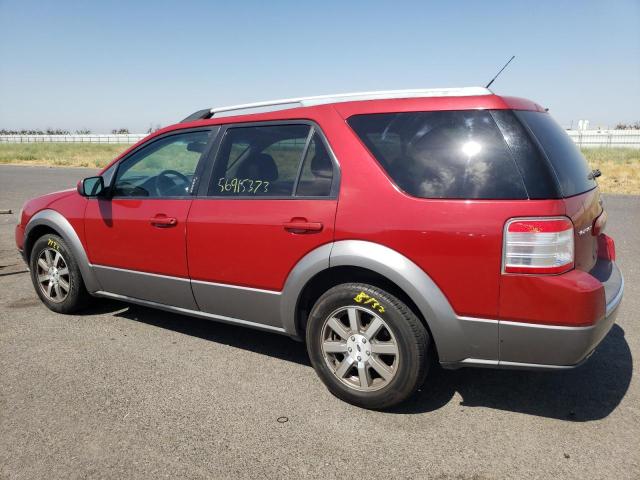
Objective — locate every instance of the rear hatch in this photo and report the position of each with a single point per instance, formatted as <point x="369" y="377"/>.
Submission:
<point x="575" y="181"/>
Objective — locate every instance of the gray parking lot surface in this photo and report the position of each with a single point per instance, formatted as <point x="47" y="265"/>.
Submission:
<point x="129" y="392"/>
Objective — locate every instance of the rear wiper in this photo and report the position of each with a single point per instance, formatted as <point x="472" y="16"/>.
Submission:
<point x="594" y="174"/>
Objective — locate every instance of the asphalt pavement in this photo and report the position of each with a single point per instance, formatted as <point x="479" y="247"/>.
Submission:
<point x="130" y="392"/>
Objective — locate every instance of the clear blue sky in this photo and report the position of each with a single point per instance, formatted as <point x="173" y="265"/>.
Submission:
<point x="106" y="64"/>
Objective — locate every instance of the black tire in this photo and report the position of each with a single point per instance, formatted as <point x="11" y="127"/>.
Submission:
<point x="410" y="336"/>
<point x="77" y="296"/>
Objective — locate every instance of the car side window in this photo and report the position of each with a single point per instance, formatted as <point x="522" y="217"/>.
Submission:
<point x="317" y="171"/>
<point x="165" y="168"/>
<point x="442" y="154"/>
<point x="259" y="161"/>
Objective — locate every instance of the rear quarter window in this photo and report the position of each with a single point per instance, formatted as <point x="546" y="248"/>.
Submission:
<point x="449" y="154"/>
<point x="571" y="168"/>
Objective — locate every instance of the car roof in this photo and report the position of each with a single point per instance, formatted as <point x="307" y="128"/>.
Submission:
<point x="271" y="105"/>
<point x="348" y="104"/>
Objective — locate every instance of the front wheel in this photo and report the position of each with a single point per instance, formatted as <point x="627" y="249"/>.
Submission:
<point x="367" y="346"/>
<point x="56" y="276"/>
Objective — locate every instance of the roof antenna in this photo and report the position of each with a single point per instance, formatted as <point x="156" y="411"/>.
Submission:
<point x="497" y="74"/>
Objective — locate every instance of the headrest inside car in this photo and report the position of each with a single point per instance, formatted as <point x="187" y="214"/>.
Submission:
<point x="259" y="167"/>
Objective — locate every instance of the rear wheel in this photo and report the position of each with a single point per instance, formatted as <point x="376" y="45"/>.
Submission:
<point x="367" y="346"/>
<point x="56" y="276"/>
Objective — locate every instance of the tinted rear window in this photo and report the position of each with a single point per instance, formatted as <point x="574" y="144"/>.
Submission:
<point x="451" y="154"/>
<point x="570" y="166"/>
<point x="537" y="173"/>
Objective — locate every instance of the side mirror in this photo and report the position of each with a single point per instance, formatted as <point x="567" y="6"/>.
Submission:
<point x="91" y="187"/>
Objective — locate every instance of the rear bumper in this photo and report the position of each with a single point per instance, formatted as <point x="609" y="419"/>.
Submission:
<point x="534" y="345"/>
<point x="549" y="347"/>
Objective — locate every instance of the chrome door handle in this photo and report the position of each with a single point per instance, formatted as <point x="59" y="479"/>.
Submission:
<point x="163" y="222"/>
<point x="302" y="227"/>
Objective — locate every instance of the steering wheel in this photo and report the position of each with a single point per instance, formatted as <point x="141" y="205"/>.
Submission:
<point x="165" y="182"/>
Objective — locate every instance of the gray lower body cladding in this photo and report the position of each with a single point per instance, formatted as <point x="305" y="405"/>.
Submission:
<point x="486" y="342"/>
<point x="162" y="289"/>
<point x="536" y="346"/>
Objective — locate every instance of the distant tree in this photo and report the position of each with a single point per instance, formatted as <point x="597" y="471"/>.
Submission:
<point x="120" y="131"/>
<point x="48" y="131"/>
<point x="628" y="126"/>
<point x="83" y="131"/>
<point x="154" y="129"/>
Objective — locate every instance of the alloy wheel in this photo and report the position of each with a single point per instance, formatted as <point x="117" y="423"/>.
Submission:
<point x="53" y="275"/>
<point x="360" y="348"/>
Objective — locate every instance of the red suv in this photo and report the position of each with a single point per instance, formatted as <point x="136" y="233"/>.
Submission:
<point x="385" y="229"/>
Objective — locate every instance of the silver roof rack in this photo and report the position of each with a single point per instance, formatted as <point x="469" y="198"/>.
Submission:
<point x="273" y="105"/>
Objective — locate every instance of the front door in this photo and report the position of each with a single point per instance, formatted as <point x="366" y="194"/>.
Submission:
<point x="271" y="199"/>
<point x="136" y="238"/>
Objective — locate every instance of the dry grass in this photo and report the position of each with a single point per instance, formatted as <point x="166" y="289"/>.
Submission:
<point x="60" y="154"/>
<point x="620" y="166"/>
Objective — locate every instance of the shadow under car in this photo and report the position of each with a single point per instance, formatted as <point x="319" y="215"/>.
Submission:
<point x="589" y="392"/>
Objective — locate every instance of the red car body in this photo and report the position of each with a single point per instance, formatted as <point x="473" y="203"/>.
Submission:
<point x="250" y="243"/>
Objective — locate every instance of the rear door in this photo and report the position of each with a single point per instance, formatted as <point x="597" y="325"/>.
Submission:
<point x="137" y="237"/>
<point x="271" y="199"/>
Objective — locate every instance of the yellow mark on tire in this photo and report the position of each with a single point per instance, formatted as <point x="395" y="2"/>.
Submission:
<point x="369" y="300"/>
<point x="53" y="244"/>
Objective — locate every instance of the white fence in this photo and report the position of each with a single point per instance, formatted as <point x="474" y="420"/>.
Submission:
<point x="583" y="138"/>
<point x="79" y="138"/>
<point x="605" y="138"/>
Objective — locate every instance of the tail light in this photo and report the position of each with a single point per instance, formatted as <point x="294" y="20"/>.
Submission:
<point x="606" y="247"/>
<point x="538" y="245"/>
